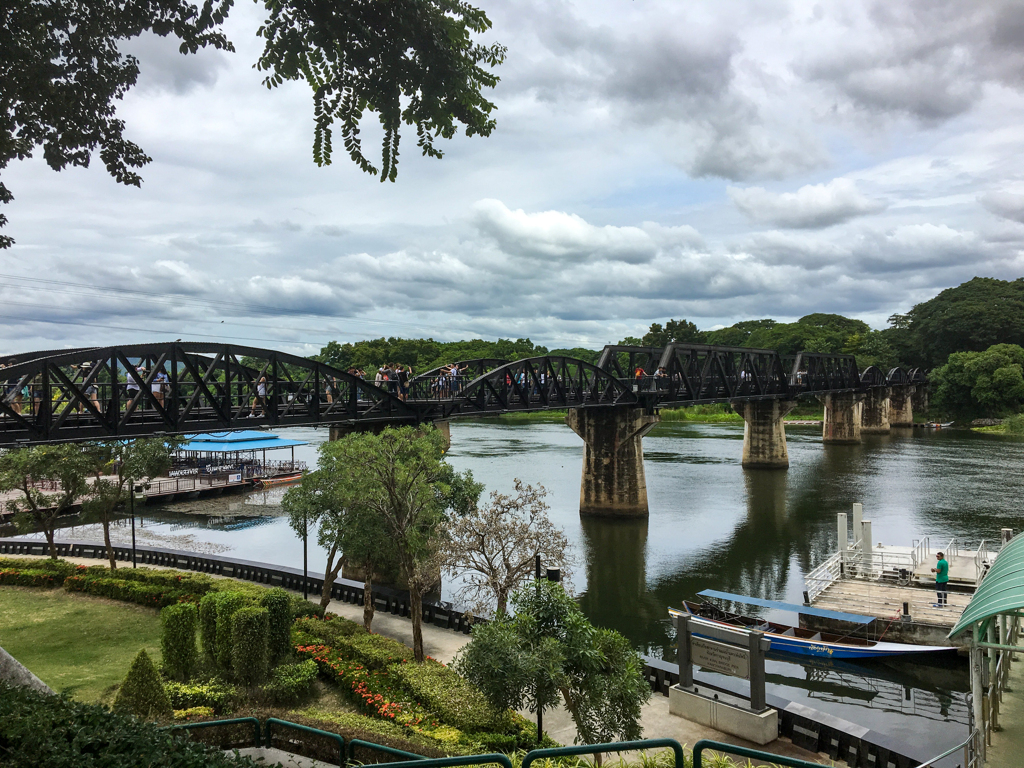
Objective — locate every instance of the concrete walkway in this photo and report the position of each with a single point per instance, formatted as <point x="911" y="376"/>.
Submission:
<point x="444" y="644"/>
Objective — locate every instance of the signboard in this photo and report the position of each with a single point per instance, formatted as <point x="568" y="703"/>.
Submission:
<point x="186" y="471"/>
<point x="236" y="478"/>
<point x="720" y="657"/>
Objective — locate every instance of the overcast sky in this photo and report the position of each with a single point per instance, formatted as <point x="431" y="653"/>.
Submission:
<point x="714" y="161"/>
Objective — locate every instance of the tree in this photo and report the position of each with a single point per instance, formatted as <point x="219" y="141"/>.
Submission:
<point x="65" y="467"/>
<point x="408" y="61"/>
<point x="548" y="649"/>
<point x="493" y="548"/>
<point x="975" y="384"/>
<point x="311" y="506"/>
<point x="349" y="531"/>
<point x="127" y="462"/>
<point x="681" y="331"/>
<point x="401" y="477"/>
<point x="969" y="318"/>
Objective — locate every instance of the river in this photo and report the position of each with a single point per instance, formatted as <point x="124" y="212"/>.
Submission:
<point x="711" y="525"/>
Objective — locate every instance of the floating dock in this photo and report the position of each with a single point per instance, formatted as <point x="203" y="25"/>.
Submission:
<point x="894" y="585"/>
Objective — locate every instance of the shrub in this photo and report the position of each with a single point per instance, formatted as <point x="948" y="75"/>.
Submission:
<point x="290" y="683"/>
<point x="249" y="644"/>
<point x="215" y="694"/>
<point x="152" y="595"/>
<point x="142" y="693"/>
<point x="442" y="690"/>
<point x="333" y="631"/>
<point x="197" y="584"/>
<point x="35" y="577"/>
<point x="208" y="623"/>
<point x="227" y="605"/>
<point x="302" y="607"/>
<point x="185" y="714"/>
<point x="178" y="640"/>
<point x="379" y="652"/>
<point x="43" y="731"/>
<point x="279" y="617"/>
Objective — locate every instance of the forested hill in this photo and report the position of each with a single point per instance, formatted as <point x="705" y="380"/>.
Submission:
<point x="969" y="318"/>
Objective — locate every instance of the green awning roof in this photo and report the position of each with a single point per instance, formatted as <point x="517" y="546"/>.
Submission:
<point x="1001" y="591"/>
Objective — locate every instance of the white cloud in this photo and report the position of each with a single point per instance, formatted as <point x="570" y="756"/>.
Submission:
<point x="1005" y="204"/>
<point x="811" y="207"/>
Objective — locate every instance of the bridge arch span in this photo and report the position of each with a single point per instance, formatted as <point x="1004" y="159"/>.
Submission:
<point x="119" y="392"/>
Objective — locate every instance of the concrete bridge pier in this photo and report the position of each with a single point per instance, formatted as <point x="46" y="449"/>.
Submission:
<point x="901" y="406"/>
<point x="764" y="433"/>
<point x="613" y="482"/>
<point x="842" y="417"/>
<point x="875" y="414"/>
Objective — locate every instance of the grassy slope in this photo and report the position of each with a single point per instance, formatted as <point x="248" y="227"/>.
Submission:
<point x="45" y="629"/>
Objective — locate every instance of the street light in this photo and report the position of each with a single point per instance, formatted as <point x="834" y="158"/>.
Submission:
<point x="136" y="488"/>
<point x="553" y="574"/>
<point x="305" y="555"/>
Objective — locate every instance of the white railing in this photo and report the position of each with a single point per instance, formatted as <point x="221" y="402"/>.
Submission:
<point x="980" y="561"/>
<point x="876" y="565"/>
<point x="822" y="577"/>
<point x="970" y="751"/>
<point x="953" y="550"/>
<point x="922" y="551"/>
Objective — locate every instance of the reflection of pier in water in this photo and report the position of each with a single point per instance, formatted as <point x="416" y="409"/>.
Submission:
<point x="236" y="522"/>
<point x="936" y="692"/>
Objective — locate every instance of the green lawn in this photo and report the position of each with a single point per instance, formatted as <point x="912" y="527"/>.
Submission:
<point x="75" y="642"/>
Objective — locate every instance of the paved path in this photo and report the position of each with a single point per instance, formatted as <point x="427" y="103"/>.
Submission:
<point x="444" y="644"/>
<point x="1007" y="750"/>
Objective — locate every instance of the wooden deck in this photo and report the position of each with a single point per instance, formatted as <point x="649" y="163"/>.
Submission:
<point x="885" y="601"/>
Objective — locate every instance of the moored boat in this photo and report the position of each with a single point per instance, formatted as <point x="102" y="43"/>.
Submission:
<point x="805" y="642"/>
<point x="270" y="482"/>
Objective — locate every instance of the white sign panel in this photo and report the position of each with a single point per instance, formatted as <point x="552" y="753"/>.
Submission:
<point x="236" y="478"/>
<point x="720" y="657"/>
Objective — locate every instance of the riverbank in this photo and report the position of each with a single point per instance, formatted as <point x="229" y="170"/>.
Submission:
<point x="714" y="413"/>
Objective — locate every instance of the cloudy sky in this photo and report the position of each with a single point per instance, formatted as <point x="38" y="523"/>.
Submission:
<point x="653" y="159"/>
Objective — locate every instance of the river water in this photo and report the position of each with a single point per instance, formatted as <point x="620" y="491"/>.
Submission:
<point x="711" y="525"/>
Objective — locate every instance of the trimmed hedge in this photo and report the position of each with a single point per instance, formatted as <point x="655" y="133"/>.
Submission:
<point x="178" y="640"/>
<point x="140" y="593"/>
<point x="197" y="584"/>
<point x="330" y="631"/>
<point x="227" y="605"/>
<point x="279" y="622"/>
<point x="43" y="731"/>
<point x="457" y="701"/>
<point x="208" y="623"/>
<point x="249" y="644"/>
<point x="35" y="577"/>
<point x="290" y="683"/>
<point x="142" y="693"/>
<point x="215" y="694"/>
<point x="379" y="652"/>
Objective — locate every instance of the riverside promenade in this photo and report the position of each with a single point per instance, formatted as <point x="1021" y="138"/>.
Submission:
<point x="443" y="645"/>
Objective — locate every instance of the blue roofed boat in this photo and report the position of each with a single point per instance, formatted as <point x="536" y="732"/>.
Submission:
<point x="797" y="640"/>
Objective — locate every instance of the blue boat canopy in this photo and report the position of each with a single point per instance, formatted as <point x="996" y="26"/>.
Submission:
<point x="853" y="618"/>
<point x="234" y="442"/>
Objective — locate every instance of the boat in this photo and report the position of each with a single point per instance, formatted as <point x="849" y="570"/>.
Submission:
<point x="938" y="425"/>
<point x="804" y="642"/>
<point x="270" y="482"/>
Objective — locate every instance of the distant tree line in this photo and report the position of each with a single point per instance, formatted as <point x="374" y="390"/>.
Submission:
<point x="954" y="336"/>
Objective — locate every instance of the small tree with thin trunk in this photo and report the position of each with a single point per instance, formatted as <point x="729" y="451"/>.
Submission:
<point x="127" y="462"/>
<point x="548" y="650"/>
<point x="313" y="508"/>
<point x="401" y="478"/>
<point x="65" y="467"/>
<point x="493" y="548"/>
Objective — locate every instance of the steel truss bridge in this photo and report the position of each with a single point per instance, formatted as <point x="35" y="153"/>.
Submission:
<point x="138" y="390"/>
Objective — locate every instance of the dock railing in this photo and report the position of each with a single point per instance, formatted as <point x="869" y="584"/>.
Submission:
<point x="922" y="551"/>
<point x="981" y="558"/>
<point x="822" y="577"/>
<point x="1004" y="631"/>
<point x="876" y="565"/>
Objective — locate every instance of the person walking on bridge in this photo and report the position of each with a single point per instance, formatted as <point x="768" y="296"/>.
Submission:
<point x="941" y="571"/>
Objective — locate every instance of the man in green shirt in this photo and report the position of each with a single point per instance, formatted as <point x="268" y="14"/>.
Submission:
<point x="941" y="571"/>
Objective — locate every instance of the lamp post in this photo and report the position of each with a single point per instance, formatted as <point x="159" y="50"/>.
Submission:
<point x="540" y="709"/>
<point x="305" y="555"/>
<point x="136" y="488"/>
